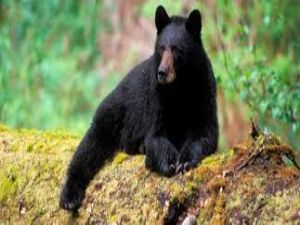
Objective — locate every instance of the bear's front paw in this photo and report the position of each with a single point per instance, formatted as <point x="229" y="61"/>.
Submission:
<point x="186" y="161"/>
<point x="166" y="169"/>
<point x="163" y="163"/>
<point x="71" y="200"/>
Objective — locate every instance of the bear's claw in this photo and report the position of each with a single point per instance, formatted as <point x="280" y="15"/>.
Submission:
<point x="70" y="201"/>
<point x="183" y="167"/>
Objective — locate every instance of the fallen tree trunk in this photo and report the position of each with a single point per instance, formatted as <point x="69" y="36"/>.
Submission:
<point x="255" y="182"/>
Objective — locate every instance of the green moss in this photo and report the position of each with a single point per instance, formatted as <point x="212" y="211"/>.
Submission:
<point x="211" y="161"/>
<point x="11" y="180"/>
<point x="218" y="159"/>
<point x="120" y="158"/>
<point x="7" y="188"/>
<point x="33" y="166"/>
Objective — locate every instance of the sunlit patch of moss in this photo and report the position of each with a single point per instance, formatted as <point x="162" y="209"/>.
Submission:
<point x="213" y="160"/>
<point x="120" y="158"/>
<point x="218" y="159"/>
<point x="8" y="187"/>
<point x="113" y="219"/>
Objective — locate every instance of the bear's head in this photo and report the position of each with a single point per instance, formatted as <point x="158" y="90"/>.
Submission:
<point x="177" y="43"/>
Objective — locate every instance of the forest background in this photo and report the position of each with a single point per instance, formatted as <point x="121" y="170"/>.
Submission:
<point x="59" y="59"/>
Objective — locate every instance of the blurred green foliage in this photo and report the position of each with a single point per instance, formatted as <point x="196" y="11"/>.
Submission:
<point x="258" y="59"/>
<point x="48" y="53"/>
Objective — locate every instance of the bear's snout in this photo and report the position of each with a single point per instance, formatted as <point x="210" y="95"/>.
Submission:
<point x="166" y="72"/>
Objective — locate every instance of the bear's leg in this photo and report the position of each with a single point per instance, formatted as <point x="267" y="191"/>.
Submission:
<point x="161" y="155"/>
<point x="194" y="150"/>
<point x="94" y="149"/>
<point x="191" y="154"/>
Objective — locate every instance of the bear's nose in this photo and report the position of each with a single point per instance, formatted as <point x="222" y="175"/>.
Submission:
<point x="162" y="73"/>
<point x="162" y="76"/>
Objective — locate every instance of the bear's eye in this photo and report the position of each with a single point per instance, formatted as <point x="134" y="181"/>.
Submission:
<point x="174" y="48"/>
<point x="162" y="48"/>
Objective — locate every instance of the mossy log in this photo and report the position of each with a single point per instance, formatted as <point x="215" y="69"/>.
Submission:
<point x="256" y="182"/>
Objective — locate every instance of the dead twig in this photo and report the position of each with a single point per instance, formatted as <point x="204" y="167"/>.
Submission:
<point x="273" y="149"/>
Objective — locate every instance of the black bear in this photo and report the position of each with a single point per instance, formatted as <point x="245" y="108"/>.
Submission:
<point x="164" y="108"/>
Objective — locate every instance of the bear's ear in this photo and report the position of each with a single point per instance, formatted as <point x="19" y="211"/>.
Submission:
<point x="193" y="23"/>
<point x="161" y="18"/>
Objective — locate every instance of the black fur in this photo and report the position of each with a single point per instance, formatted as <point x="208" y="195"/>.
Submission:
<point x="174" y="124"/>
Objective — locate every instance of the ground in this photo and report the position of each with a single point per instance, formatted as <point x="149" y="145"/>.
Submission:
<point x="255" y="182"/>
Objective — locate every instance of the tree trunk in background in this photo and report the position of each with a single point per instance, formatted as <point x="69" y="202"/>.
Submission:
<point x="232" y="120"/>
<point x="130" y="39"/>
